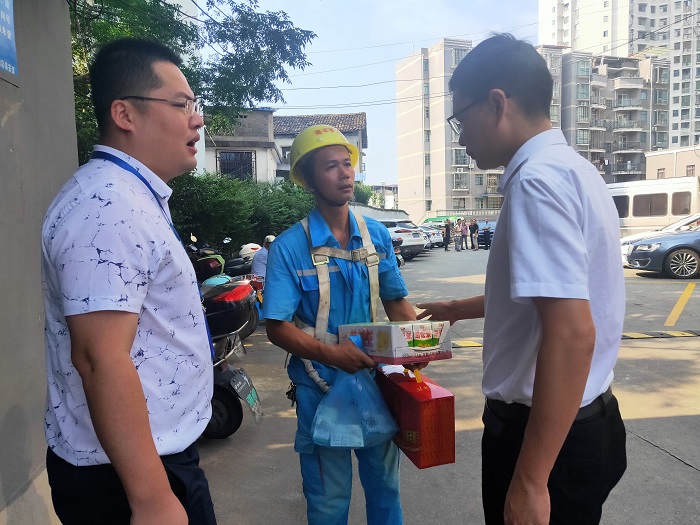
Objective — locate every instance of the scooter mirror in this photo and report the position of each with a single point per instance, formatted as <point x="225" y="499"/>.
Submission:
<point x="227" y="240"/>
<point x="193" y="238"/>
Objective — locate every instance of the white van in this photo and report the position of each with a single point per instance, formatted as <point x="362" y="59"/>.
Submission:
<point x="652" y="204"/>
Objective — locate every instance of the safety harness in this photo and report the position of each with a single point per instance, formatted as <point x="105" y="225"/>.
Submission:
<point x="320" y="255"/>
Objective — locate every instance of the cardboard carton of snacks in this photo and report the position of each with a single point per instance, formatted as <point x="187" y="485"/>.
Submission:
<point x="425" y="413"/>
<point x="402" y="342"/>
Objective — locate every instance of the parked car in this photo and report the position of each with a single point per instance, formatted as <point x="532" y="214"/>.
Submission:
<point x="676" y="255"/>
<point x="626" y="243"/>
<point x="434" y="234"/>
<point x="427" y="245"/>
<point x="412" y="237"/>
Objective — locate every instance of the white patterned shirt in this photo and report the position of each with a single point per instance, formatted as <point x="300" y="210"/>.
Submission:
<point x="107" y="245"/>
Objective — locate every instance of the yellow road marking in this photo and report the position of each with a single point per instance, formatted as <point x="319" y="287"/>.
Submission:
<point x="637" y="335"/>
<point x="466" y="342"/>
<point x="680" y="304"/>
<point x="680" y="334"/>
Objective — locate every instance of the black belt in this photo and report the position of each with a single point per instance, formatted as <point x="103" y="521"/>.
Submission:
<point x="521" y="413"/>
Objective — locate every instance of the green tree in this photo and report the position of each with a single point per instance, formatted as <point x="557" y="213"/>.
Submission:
<point x="214" y="208"/>
<point x="245" y="53"/>
<point x="363" y="193"/>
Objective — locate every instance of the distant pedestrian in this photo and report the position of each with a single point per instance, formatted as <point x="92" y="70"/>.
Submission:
<point x="474" y="234"/>
<point x="448" y="233"/>
<point x="458" y="235"/>
<point x="486" y="230"/>
<point x="259" y="265"/>
<point x="465" y="233"/>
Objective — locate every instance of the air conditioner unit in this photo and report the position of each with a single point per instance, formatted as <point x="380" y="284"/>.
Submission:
<point x="460" y="170"/>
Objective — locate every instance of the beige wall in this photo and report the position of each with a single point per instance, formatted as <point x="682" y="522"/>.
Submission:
<point x="38" y="144"/>
<point x="675" y="163"/>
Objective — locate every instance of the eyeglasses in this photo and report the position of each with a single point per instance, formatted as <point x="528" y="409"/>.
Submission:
<point x="452" y="120"/>
<point x="189" y="106"/>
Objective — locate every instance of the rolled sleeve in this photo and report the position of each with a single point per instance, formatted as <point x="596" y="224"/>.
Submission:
<point x="282" y="285"/>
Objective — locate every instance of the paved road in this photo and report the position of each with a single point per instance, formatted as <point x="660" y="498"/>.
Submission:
<point x="255" y="478"/>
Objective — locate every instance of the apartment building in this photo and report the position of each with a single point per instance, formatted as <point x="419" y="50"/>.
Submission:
<point x="436" y="176"/>
<point x="612" y="109"/>
<point x="664" y="29"/>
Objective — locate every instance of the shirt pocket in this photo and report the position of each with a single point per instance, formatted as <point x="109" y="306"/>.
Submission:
<point x="309" y="282"/>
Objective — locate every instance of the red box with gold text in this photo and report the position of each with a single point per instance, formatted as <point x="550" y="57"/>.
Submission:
<point x="425" y="414"/>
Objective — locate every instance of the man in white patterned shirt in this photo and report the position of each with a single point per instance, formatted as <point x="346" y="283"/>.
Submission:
<point x="128" y="357"/>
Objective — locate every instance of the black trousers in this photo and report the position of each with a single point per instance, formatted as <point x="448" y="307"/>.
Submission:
<point x="590" y="463"/>
<point x="95" y="495"/>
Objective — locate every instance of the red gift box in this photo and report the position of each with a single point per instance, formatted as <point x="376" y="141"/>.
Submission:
<point x="425" y="413"/>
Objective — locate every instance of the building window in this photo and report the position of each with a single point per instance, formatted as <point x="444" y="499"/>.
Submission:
<point x="582" y="137"/>
<point x="605" y="34"/>
<point x="663" y="8"/>
<point x="661" y="173"/>
<point x="427" y="112"/>
<point x="427" y="135"/>
<point x="460" y="181"/>
<point x="459" y="203"/>
<point x="582" y="114"/>
<point x="237" y="164"/>
<point x="426" y="67"/>
<point x="605" y="18"/>
<point x="426" y="89"/>
<point x="582" y="91"/>
<point x="479" y="179"/>
<point x="458" y="54"/>
<point x="460" y="157"/>
<point x="642" y="8"/>
<point x="427" y="159"/>
<point x="583" y="68"/>
<point x="428" y="205"/>
<point x="286" y="150"/>
<point x="690" y="170"/>
<point x="554" y="113"/>
<point x="606" y="3"/>
<point x="427" y="181"/>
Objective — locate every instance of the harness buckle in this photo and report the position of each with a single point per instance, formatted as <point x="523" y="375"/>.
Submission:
<point x="359" y="254"/>
<point x="372" y="259"/>
<point x="322" y="259"/>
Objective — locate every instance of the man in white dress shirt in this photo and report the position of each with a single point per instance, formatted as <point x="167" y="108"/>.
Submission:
<point x="554" y="442"/>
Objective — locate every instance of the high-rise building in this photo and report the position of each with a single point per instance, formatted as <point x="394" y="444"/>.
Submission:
<point x="436" y="176"/>
<point x="665" y="29"/>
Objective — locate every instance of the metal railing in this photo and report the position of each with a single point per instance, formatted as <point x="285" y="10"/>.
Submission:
<point x="627" y="146"/>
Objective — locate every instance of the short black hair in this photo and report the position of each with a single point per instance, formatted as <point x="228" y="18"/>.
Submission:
<point x="124" y="67"/>
<point x="514" y="66"/>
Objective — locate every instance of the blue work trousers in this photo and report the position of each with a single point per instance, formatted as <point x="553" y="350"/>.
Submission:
<point x="327" y="472"/>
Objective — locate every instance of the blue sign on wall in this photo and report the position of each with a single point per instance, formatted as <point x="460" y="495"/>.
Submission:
<point x="8" y="48"/>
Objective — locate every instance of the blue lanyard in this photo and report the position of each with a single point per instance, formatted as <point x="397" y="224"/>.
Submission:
<point x="128" y="167"/>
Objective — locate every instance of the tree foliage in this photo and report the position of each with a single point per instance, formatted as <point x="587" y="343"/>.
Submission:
<point x="213" y="208"/>
<point x="363" y="193"/>
<point x="243" y="52"/>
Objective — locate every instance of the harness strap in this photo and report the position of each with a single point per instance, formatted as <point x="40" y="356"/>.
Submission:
<point x="320" y="256"/>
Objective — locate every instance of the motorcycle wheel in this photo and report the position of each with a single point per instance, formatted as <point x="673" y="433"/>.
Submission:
<point x="252" y="323"/>
<point x="226" y="414"/>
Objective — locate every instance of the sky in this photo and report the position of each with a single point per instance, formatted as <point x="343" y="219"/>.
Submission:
<point x="361" y="42"/>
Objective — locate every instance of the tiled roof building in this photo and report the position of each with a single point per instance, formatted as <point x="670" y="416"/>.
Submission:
<point x="346" y="122"/>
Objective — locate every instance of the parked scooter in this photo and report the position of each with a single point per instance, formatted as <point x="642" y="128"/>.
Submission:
<point x="397" y="251"/>
<point x="231" y="385"/>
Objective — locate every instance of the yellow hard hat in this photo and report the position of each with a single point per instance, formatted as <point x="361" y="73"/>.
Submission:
<point x="313" y="138"/>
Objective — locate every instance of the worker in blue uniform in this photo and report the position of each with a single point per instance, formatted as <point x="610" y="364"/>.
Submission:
<point x="327" y="270"/>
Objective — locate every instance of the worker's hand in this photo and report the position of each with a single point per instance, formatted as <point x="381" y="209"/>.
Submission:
<point x="349" y="358"/>
<point x="438" y="311"/>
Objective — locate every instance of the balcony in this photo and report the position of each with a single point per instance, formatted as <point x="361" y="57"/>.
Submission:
<point x="599" y="80"/>
<point x="626" y="147"/>
<point x="600" y="124"/>
<point x="626" y="125"/>
<point x="600" y="102"/>
<point x="628" y="83"/>
<point x="660" y="144"/>
<point x="629" y="103"/>
<point x="627" y="168"/>
<point x="597" y="147"/>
